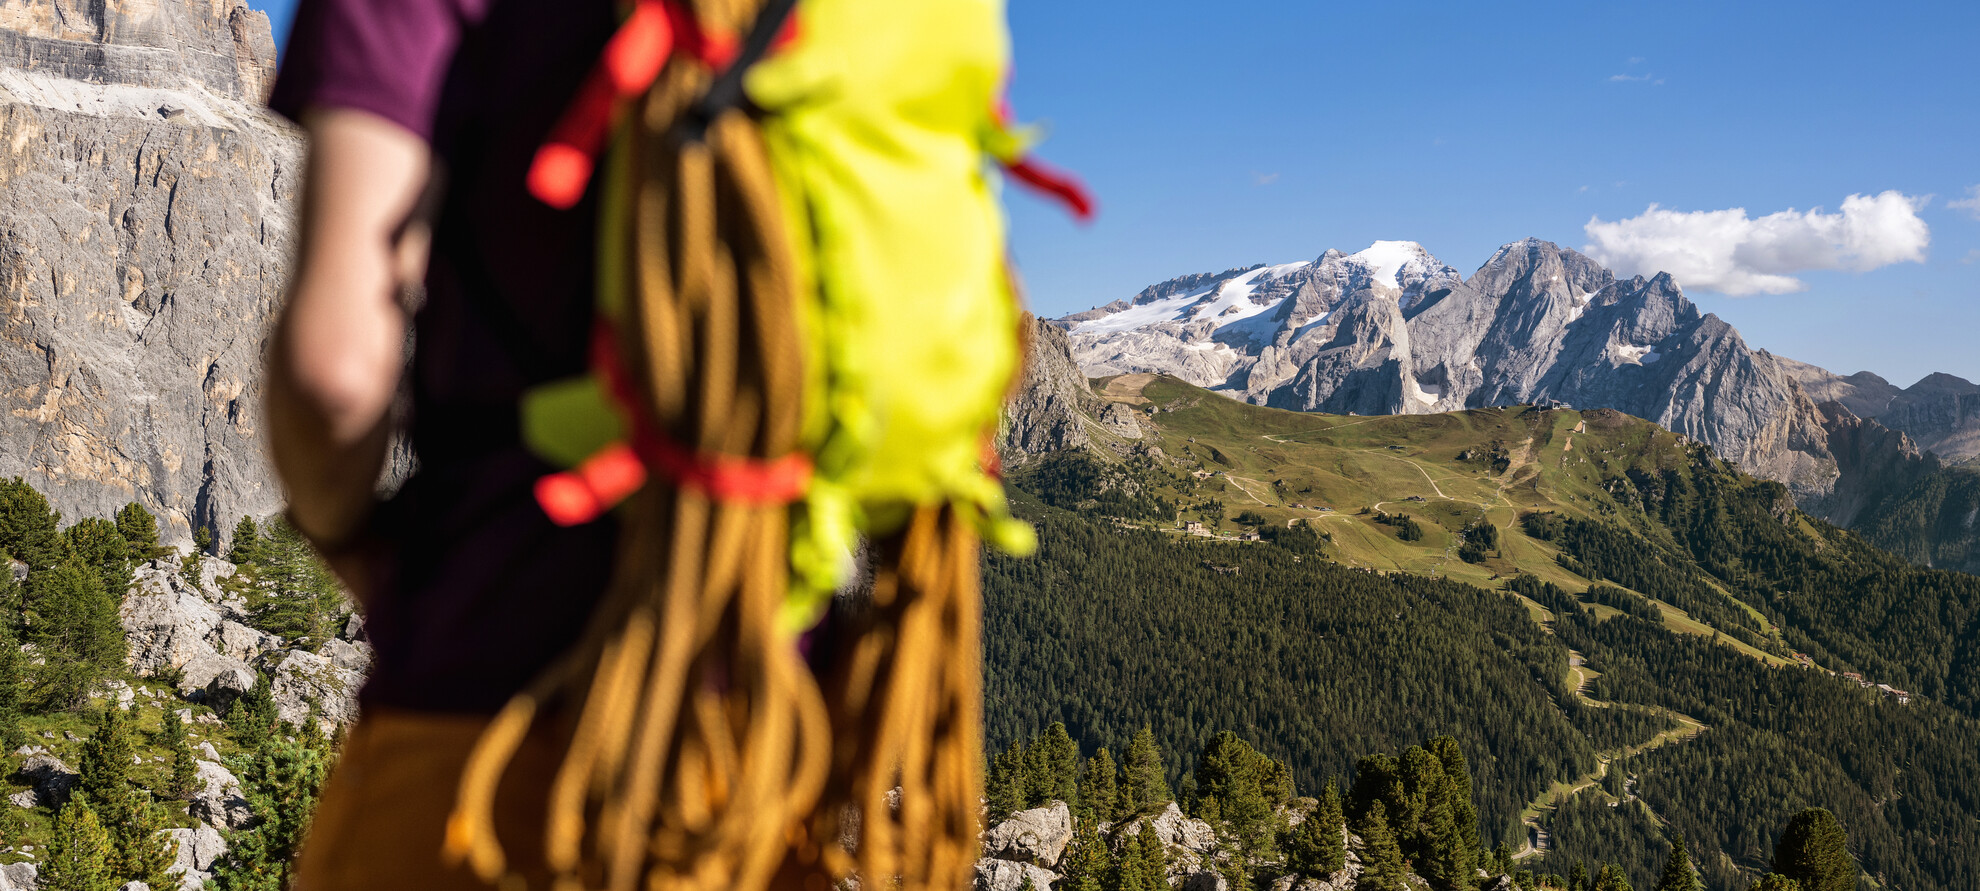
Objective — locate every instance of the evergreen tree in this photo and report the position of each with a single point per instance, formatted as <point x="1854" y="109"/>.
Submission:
<point x="1052" y="760"/>
<point x="1233" y="782"/>
<point x="140" y="531"/>
<point x="70" y="614"/>
<point x="190" y="567"/>
<point x="77" y="856"/>
<point x="247" y="546"/>
<point x="97" y="544"/>
<point x="185" y="772"/>
<point x="1813" y="851"/>
<point x="1315" y="848"/>
<point x="1578" y="878"/>
<point x="1381" y="857"/>
<point x="1098" y="788"/>
<point x="1154" y="858"/>
<point x="1086" y="863"/>
<point x="281" y="781"/>
<point x="1611" y="878"/>
<point x="1128" y="873"/>
<point x="1774" y="881"/>
<point x="1457" y="774"/>
<point x="13" y="693"/>
<point x="28" y="525"/>
<point x="297" y="597"/>
<point x="1678" y="875"/>
<point x="137" y="852"/>
<point x="1005" y="785"/>
<point x="252" y="717"/>
<point x="1144" y="781"/>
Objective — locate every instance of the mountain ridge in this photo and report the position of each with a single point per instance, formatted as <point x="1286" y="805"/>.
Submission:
<point x="1394" y="330"/>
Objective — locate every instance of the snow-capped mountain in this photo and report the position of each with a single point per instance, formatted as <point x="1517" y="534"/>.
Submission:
<point x="1393" y="330"/>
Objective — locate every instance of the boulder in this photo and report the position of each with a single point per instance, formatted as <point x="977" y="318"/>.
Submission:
<point x="20" y="876"/>
<point x="215" y="680"/>
<point x="52" y="780"/>
<point x="353" y="628"/>
<point x="305" y="685"/>
<point x="218" y="801"/>
<point x="1005" y="875"/>
<point x="199" y="848"/>
<point x="1039" y="835"/>
<point x="133" y="886"/>
<point x="347" y="655"/>
<point x="236" y="639"/>
<point x="119" y="692"/>
<point x="1176" y="830"/>
<point x="166" y="619"/>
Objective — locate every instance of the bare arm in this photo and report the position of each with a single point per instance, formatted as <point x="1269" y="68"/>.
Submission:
<point x="336" y="357"/>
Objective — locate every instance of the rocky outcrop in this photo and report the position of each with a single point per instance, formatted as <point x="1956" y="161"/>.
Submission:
<point x="19" y="877"/>
<point x="51" y="781"/>
<point x="147" y="206"/>
<point x="1392" y="330"/>
<point x="1049" y="409"/>
<point x="1006" y="875"/>
<point x="308" y="686"/>
<point x="199" y="848"/>
<point x="218" y="801"/>
<point x="1039" y="836"/>
<point x="1941" y="413"/>
<point x="1876" y="463"/>
<point x="1175" y="830"/>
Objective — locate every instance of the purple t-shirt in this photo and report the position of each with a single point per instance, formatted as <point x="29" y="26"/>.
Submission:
<point x="482" y="591"/>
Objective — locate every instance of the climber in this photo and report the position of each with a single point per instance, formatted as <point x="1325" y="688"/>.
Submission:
<point x="712" y="290"/>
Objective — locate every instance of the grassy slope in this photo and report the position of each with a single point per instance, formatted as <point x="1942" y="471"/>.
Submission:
<point x="1268" y="460"/>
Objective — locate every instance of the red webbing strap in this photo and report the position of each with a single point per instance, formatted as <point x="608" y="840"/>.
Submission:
<point x="598" y="484"/>
<point x="1053" y="184"/>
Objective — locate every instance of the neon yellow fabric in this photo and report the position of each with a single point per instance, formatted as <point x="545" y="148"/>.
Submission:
<point x="880" y="126"/>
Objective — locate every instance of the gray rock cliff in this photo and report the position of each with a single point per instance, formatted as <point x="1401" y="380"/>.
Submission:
<point x="146" y="205"/>
<point x="1941" y="413"/>
<point x="1393" y="330"/>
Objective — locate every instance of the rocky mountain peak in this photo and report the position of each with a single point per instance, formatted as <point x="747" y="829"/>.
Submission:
<point x="1391" y="329"/>
<point x="223" y="50"/>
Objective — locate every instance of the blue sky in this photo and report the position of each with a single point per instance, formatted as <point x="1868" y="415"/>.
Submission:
<point x="1239" y="132"/>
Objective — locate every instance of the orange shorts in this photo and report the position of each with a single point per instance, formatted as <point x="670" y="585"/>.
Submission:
<point x="383" y="813"/>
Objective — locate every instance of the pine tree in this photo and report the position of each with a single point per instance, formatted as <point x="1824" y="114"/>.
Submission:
<point x="1005" y="786"/>
<point x="281" y="781"/>
<point x="71" y="614"/>
<point x="1578" y="878"/>
<point x="297" y="598"/>
<point x="97" y="543"/>
<point x="1678" y="875"/>
<point x="28" y="526"/>
<point x="77" y="856"/>
<point x="140" y="531"/>
<point x="1154" y="858"/>
<point x="1457" y="774"/>
<point x="1774" y="881"/>
<point x="1381" y="857"/>
<point x="1814" y="852"/>
<point x="247" y="545"/>
<point x="13" y="695"/>
<point x="1128" y="873"/>
<point x="1232" y="780"/>
<point x="1611" y="878"/>
<point x="1315" y="848"/>
<point x="251" y="719"/>
<point x="185" y="770"/>
<point x="137" y="853"/>
<point x="1054" y="762"/>
<point x="1086" y="863"/>
<point x="1098" y="789"/>
<point x="1144" y="781"/>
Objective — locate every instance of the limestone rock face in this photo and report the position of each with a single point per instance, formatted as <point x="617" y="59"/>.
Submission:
<point x="1048" y="411"/>
<point x="1175" y="830"/>
<point x="1876" y="462"/>
<point x="1005" y="875"/>
<point x="1941" y="413"/>
<point x="19" y="877"/>
<point x="1393" y="330"/>
<point x="1039" y="835"/>
<point x="147" y="207"/>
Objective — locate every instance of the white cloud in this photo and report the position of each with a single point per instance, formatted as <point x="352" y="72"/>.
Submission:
<point x="1970" y="204"/>
<point x="1617" y="78"/>
<point x="1727" y="252"/>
